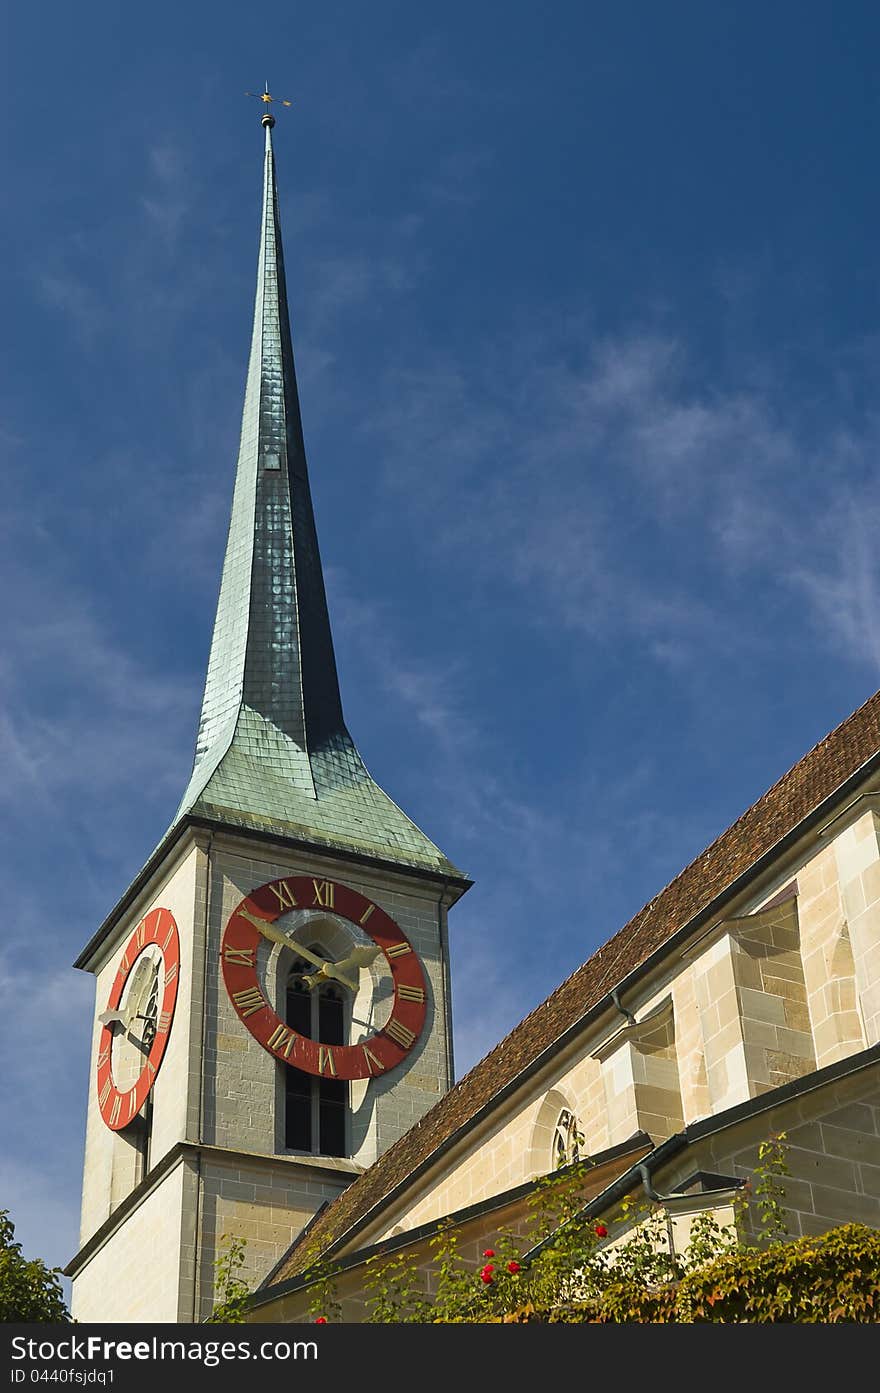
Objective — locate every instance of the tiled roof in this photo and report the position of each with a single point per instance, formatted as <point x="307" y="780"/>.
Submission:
<point x="800" y="792"/>
<point x="273" y="753"/>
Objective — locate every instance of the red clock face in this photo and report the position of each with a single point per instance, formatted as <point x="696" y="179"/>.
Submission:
<point x="252" y="921"/>
<point x="137" y="1020"/>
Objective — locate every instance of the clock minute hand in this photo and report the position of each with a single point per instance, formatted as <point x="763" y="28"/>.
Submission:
<point x="274" y="935"/>
<point x="137" y="997"/>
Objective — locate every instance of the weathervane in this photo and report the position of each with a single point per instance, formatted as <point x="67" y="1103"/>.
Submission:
<point x="264" y="96"/>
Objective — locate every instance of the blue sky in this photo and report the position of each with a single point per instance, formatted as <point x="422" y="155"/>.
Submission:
<point x="586" y="303"/>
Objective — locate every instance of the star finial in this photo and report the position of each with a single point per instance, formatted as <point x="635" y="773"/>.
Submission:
<point x="266" y="97"/>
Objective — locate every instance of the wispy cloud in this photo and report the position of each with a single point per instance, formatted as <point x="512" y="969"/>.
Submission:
<point x="841" y="581"/>
<point x="559" y="478"/>
<point x="50" y="1010"/>
<point x="76" y="299"/>
<point x="173" y="192"/>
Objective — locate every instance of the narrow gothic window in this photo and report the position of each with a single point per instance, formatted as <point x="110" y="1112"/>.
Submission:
<point x="316" y="1108"/>
<point x="151" y="1016"/>
<point x="566" y="1139"/>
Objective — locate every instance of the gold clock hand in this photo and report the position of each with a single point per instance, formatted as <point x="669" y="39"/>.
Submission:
<point x="138" y="995"/>
<point x="324" y="973"/>
<point x="332" y="970"/>
<point x="360" y="956"/>
<point x="112" y="1018"/>
<point x="274" y="935"/>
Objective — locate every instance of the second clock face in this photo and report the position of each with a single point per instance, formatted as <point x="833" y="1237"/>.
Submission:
<point x="137" y="1021"/>
<point x="253" y="920"/>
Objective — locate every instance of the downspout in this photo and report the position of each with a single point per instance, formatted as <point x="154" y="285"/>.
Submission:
<point x="648" y="1185"/>
<point x="627" y="1015"/>
<point x="652" y="1193"/>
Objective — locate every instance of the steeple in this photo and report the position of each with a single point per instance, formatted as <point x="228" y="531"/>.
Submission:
<point x="273" y="753"/>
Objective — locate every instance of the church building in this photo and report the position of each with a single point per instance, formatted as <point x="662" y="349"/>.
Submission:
<point x="272" y="1054"/>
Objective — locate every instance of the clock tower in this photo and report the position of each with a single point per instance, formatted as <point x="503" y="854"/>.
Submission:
<point x="272" y="1007"/>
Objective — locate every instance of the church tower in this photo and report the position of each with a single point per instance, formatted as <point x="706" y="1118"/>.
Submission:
<point x="272" y="1007"/>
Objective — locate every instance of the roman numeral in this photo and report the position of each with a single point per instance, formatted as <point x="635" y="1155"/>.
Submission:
<point x="115" y="1110"/>
<point x="164" y="1022"/>
<point x="123" y="966"/>
<point x="105" y="1092"/>
<point x="324" y="893"/>
<point x="103" y="1057"/>
<point x="366" y="914"/>
<point x="284" y="895"/>
<point x="131" y="1104"/>
<point x="372" y="1061"/>
<point x="282" y="1040"/>
<point x="401" y="1033"/>
<point x="410" y="993"/>
<point x="152" y="1068"/>
<point x="168" y="937"/>
<point x="249" y="1001"/>
<point x="244" y="956"/>
<point x="325" y="1056"/>
<point x="397" y="950"/>
<point x="141" y="934"/>
<point x="171" y="973"/>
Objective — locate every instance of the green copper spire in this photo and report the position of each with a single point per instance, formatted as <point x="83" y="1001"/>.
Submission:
<point x="273" y="753"/>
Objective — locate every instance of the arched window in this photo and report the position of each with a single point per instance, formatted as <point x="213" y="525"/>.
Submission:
<point x="566" y="1139"/>
<point x="315" y="1108"/>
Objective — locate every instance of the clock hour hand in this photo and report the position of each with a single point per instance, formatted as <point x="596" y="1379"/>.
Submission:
<point x="325" y="969"/>
<point x="361" y="954"/>
<point x="114" y="1018"/>
<point x="324" y="973"/>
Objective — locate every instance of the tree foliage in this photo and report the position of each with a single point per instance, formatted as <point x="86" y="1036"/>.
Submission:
<point x="828" y="1280"/>
<point x="231" y="1290"/>
<point x="29" y="1290"/>
<point x="582" y="1270"/>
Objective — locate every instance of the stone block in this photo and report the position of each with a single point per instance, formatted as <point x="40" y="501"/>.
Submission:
<point x="844" y="1206"/>
<point x="759" y="1006"/>
<point x="869" y="1178"/>
<point x="807" y="1136"/>
<point x="857" y="1117"/>
<point x="798" y="1193"/>
<point x="819" y="1169"/>
<point x="854" y="902"/>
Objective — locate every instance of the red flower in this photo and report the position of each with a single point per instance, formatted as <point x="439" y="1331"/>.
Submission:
<point x="320" y="1320"/>
<point x="486" y="1275"/>
<point x="600" y="1231"/>
<point x="514" y="1267"/>
<point x="488" y="1252"/>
